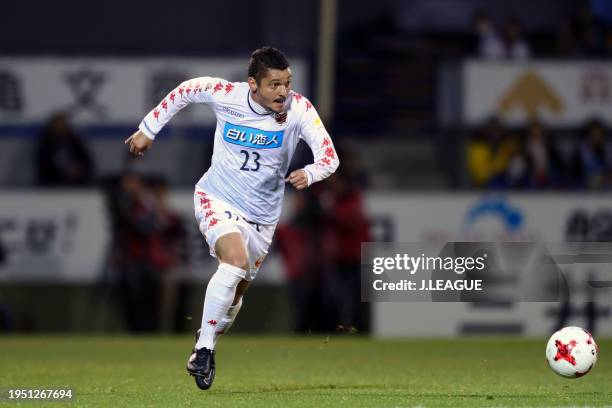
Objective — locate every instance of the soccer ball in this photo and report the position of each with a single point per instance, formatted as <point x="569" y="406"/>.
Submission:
<point x="571" y="352"/>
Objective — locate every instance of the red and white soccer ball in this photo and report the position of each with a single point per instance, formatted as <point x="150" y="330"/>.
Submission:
<point x="571" y="352"/>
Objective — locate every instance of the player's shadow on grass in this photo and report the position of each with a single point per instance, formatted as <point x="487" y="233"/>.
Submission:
<point x="401" y="391"/>
<point x="307" y="387"/>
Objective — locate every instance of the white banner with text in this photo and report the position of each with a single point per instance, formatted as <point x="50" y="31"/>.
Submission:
<point x="559" y="93"/>
<point x="110" y="91"/>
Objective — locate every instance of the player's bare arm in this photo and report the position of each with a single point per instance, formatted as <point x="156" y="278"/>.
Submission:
<point x="138" y="143"/>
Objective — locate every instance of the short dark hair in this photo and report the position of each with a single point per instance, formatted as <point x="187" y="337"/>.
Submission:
<point x="265" y="58"/>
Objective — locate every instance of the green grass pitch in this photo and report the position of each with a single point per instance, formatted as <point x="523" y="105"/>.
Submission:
<point x="291" y="371"/>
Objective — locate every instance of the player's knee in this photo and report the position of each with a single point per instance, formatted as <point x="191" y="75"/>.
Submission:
<point x="236" y="258"/>
<point x="231" y="250"/>
<point x="234" y="255"/>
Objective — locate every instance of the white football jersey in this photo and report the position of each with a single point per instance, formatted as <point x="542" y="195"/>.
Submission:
<point x="253" y="146"/>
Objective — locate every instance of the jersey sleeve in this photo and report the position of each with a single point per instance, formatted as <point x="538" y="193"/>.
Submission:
<point x="197" y="90"/>
<point x="313" y="132"/>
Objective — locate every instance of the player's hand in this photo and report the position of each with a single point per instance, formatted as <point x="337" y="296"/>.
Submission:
<point x="298" y="179"/>
<point x="138" y="143"/>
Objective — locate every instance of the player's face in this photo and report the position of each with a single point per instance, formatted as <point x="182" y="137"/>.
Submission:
<point x="273" y="89"/>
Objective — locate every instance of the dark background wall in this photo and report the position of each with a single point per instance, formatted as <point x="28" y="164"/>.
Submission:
<point x="156" y="27"/>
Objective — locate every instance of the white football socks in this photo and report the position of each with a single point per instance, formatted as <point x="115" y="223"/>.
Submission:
<point x="219" y="297"/>
<point x="224" y="325"/>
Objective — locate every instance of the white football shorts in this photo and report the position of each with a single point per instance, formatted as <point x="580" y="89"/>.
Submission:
<point x="216" y="218"/>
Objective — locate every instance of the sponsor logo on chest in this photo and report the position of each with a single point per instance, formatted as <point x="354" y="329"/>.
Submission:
<point x="232" y="112"/>
<point x="252" y="137"/>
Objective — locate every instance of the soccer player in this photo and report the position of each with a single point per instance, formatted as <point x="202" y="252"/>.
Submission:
<point x="238" y="200"/>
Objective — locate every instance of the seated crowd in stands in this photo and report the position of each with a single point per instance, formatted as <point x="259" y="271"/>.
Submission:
<point x="537" y="158"/>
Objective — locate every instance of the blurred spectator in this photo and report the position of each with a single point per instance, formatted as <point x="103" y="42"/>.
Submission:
<point x="168" y="230"/>
<point x="139" y="278"/>
<point x="588" y="31"/>
<point x="593" y="158"/>
<point x="489" y="42"/>
<point x="165" y="250"/>
<point x="345" y="227"/>
<point x="62" y="158"/>
<point x="514" y="44"/>
<point x="583" y="17"/>
<point x="299" y="242"/>
<point x="321" y="250"/>
<point x="592" y="42"/>
<point x="516" y="173"/>
<point x="147" y="238"/>
<point x="489" y="154"/>
<point x="544" y="165"/>
<point x="567" y="42"/>
<point x="509" y="45"/>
